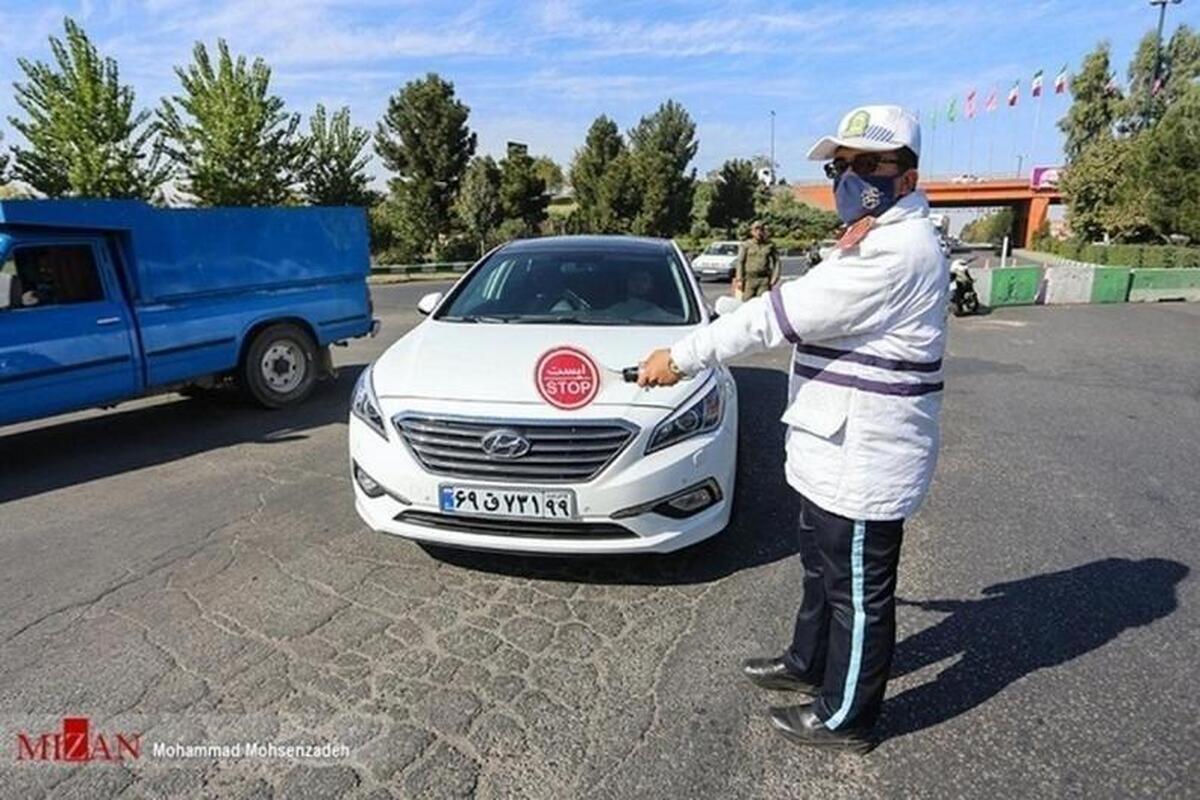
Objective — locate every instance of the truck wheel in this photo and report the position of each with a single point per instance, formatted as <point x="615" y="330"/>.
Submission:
<point x="280" y="367"/>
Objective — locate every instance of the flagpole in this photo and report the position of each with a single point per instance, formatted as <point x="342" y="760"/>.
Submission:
<point x="991" y="146"/>
<point x="950" y="166"/>
<point x="932" y="144"/>
<point x="1037" y="119"/>
<point x="970" y="145"/>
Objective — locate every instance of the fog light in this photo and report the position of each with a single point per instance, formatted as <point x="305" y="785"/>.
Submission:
<point x="368" y="484"/>
<point x="686" y="503"/>
<point x="692" y="501"/>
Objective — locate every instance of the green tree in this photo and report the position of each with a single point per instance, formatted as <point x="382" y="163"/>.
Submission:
<point x="478" y="205"/>
<point x="1170" y="164"/>
<point x="663" y="144"/>
<point x="402" y="226"/>
<point x="424" y="140"/>
<point x="787" y="216"/>
<point x="231" y="139"/>
<point x="522" y="192"/>
<point x="734" y="193"/>
<point x="598" y="193"/>
<point x="85" y="139"/>
<point x="1148" y="101"/>
<point x="550" y="173"/>
<point x="991" y="227"/>
<point x="334" y="172"/>
<point x="1094" y="105"/>
<point x="1106" y="192"/>
<point x="3" y="163"/>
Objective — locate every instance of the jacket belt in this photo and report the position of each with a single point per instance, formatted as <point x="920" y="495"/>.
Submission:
<point x="864" y="384"/>
<point x="833" y="354"/>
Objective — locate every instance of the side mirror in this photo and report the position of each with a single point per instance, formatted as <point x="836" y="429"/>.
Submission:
<point x="429" y="302"/>
<point x="726" y="305"/>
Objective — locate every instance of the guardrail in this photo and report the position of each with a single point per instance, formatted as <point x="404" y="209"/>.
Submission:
<point x="417" y="269"/>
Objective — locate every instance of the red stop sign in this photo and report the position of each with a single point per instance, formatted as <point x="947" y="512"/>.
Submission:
<point x="566" y="378"/>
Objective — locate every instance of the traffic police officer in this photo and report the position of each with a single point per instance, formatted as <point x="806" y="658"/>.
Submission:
<point x="757" y="267"/>
<point x="867" y="326"/>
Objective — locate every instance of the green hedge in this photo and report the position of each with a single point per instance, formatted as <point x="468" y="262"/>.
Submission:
<point x="1144" y="256"/>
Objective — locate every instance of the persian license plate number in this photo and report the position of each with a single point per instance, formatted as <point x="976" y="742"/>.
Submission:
<point x="525" y="503"/>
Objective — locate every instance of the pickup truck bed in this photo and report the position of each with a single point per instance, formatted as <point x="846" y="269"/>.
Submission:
<point x="109" y="300"/>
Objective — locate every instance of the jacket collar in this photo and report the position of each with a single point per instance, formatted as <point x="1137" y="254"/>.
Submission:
<point x="913" y="205"/>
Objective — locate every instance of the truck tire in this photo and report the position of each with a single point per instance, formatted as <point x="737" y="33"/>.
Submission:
<point x="280" y="367"/>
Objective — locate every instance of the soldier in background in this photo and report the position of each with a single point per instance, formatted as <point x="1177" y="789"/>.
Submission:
<point x="757" y="267"/>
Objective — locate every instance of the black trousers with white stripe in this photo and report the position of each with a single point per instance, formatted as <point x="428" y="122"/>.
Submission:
<point x="846" y="626"/>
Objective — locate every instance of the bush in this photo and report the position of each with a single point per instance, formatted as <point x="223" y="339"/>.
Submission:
<point x="1144" y="256"/>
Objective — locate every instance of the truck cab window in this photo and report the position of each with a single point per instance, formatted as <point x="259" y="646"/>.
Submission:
<point x="49" y="275"/>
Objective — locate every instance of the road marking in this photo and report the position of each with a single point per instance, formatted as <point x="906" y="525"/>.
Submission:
<point x="1003" y="323"/>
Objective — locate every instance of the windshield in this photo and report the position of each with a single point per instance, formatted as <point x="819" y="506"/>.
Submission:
<point x="722" y="249"/>
<point x="576" y="286"/>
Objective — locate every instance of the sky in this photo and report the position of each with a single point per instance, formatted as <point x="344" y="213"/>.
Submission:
<point x="540" y="71"/>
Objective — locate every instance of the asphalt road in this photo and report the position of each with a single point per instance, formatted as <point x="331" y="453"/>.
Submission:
<point x="196" y="572"/>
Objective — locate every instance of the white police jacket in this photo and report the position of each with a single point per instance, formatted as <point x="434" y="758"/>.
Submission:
<point x="868" y="325"/>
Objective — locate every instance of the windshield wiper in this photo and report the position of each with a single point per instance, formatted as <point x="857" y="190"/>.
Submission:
<point x="568" y="319"/>
<point x="476" y="318"/>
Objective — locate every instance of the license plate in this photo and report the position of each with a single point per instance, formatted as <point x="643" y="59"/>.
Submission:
<point x="524" y="503"/>
<point x="710" y="272"/>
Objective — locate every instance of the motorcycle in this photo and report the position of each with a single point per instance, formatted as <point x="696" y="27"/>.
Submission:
<point x="963" y="299"/>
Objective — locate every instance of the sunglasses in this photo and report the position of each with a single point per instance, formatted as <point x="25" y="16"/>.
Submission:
<point x="862" y="164"/>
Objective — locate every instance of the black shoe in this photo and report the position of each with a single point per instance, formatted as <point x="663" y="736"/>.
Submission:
<point x="773" y="673"/>
<point x="803" y="726"/>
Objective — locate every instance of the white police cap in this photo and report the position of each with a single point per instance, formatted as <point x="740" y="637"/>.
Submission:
<point x="871" y="128"/>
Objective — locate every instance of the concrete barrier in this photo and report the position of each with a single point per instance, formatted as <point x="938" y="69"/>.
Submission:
<point x="1151" y="285"/>
<point x="1111" y="284"/>
<point x="1068" y="284"/>
<point x="1065" y="284"/>
<point x="1013" y="286"/>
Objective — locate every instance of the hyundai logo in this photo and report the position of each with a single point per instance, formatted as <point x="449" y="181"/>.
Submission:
<point x="504" y="443"/>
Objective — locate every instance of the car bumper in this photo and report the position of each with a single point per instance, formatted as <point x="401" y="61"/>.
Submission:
<point x="713" y="273"/>
<point x="631" y="480"/>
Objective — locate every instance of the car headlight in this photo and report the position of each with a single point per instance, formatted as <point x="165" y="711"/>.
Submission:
<point x="694" y="419"/>
<point x="364" y="404"/>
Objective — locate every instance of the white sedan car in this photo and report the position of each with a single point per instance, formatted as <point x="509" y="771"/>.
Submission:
<point x="717" y="261"/>
<point x="503" y="421"/>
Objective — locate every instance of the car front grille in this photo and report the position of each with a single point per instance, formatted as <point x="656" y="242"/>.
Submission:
<point x="526" y="528"/>
<point x="568" y="452"/>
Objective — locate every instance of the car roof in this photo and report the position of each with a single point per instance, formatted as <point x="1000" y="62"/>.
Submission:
<point x="618" y="244"/>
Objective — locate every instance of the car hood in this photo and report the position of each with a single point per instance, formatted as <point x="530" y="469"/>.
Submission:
<point x="486" y="362"/>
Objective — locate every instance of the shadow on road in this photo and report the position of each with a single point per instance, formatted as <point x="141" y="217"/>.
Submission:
<point x="1023" y="626"/>
<point x="761" y="530"/>
<point x="69" y="453"/>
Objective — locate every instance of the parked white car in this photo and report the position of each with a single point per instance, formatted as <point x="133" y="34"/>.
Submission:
<point x="502" y="422"/>
<point x="717" y="261"/>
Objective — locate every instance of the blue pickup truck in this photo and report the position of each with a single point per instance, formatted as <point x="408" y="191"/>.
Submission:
<point x="107" y="300"/>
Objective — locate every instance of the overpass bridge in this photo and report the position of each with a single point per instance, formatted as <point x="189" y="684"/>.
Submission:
<point x="1030" y="205"/>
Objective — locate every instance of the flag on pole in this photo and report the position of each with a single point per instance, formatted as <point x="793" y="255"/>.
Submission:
<point x="991" y="101"/>
<point x="1014" y="93"/>
<point x="1037" y="84"/>
<point x="952" y="110"/>
<point x="1060" y="80"/>
<point x="970" y="104"/>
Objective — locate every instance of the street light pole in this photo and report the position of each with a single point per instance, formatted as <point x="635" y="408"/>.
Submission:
<point x="1162" y="18"/>
<point x="772" y="149"/>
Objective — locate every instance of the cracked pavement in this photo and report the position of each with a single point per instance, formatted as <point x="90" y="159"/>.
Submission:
<point x="194" y="570"/>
